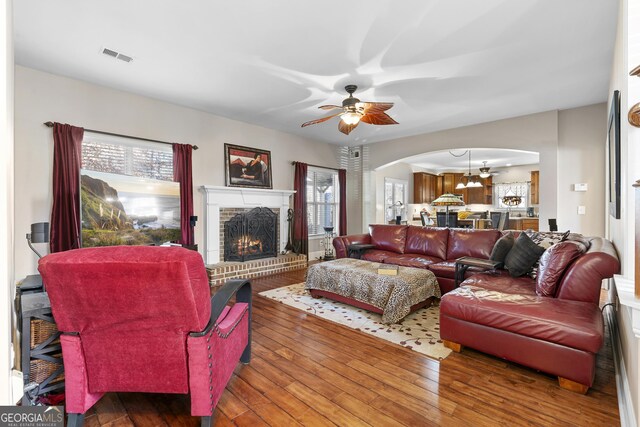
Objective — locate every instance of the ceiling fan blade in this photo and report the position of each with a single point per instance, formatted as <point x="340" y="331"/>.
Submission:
<point x="376" y="107"/>
<point x="329" y="107"/>
<point x="378" y="119"/>
<point x="345" y="128"/>
<point x="324" y="119"/>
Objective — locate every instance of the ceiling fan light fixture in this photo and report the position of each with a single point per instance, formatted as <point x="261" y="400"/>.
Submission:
<point x="484" y="171"/>
<point x="351" y="117"/>
<point x="461" y="186"/>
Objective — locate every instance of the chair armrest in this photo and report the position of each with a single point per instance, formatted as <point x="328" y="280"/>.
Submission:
<point x="239" y="287"/>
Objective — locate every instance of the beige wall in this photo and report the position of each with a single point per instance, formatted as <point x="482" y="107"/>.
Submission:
<point x="534" y="132"/>
<point x="555" y="135"/>
<point x="621" y="231"/>
<point x="581" y="154"/>
<point x="6" y="200"/>
<point x="41" y="97"/>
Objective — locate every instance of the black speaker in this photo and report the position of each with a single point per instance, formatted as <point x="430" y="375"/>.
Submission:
<point x="193" y="219"/>
<point x="40" y="232"/>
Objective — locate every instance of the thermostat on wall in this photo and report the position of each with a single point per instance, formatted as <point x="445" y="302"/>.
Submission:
<point x="580" y="187"/>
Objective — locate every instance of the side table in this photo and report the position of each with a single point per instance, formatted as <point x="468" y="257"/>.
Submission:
<point x="41" y="350"/>
<point x="355" y="251"/>
<point x="463" y="263"/>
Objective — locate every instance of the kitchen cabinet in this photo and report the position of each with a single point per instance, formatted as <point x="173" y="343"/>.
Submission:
<point x="424" y="187"/>
<point x="523" y="223"/>
<point x="480" y="195"/>
<point x="535" y="187"/>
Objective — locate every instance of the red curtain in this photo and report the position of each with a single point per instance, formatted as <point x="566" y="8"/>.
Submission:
<point x="342" y="220"/>
<point x="300" y="225"/>
<point x="65" y="213"/>
<point x="182" y="174"/>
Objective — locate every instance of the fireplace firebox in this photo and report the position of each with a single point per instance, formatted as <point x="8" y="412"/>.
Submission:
<point x="251" y="235"/>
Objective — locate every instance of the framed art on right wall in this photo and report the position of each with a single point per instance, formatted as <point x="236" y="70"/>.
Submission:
<point x="613" y="142"/>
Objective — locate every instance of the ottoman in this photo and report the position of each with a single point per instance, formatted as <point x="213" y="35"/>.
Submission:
<point x="357" y="282"/>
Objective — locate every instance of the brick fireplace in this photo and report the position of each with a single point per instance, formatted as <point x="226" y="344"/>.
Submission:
<point x="249" y="234"/>
<point x="222" y="204"/>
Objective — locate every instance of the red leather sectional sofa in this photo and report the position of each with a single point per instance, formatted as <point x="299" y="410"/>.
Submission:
<point x="501" y="315"/>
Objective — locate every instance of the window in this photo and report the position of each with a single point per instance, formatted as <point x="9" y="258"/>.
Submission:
<point x="323" y="199"/>
<point x="395" y="197"/>
<point x="105" y="153"/>
<point x="520" y="189"/>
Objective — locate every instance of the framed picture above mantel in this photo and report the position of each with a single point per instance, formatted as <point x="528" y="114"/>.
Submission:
<point x="247" y="167"/>
<point x="613" y="144"/>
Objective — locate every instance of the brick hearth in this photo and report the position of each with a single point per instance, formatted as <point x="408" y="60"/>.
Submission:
<point x="221" y="272"/>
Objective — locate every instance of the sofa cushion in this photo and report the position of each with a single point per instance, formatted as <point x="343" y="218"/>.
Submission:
<point x="582" y="280"/>
<point x="553" y="264"/>
<point x="447" y="269"/>
<point x="501" y="281"/>
<point x="376" y="255"/>
<point x="388" y="237"/>
<point x="502" y="247"/>
<point x="473" y="243"/>
<point x="427" y="241"/>
<point x="411" y="260"/>
<point x="524" y="254"/>
<point x="572" y="324"/>
<point x="546" y="239"/>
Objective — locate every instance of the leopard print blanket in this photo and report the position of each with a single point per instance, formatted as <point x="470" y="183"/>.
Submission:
<point x="359" y="280"/>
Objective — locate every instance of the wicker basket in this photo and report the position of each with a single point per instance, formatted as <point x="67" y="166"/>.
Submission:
<point x="39" y="370"/>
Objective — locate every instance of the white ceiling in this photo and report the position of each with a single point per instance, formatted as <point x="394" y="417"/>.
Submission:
<point x="444" y="161"/>
<point x="444" y="64"/>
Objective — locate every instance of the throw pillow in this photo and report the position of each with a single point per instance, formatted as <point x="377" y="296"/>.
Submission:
<point x="545" y="239"/>
<point x="522" y="256"/>
<point x="502" y="247"/>
<point x="553" y="263"/>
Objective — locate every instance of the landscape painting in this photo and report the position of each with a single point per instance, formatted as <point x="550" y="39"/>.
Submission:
<point x="247" y="167"/>
<point x="128" y="210"/>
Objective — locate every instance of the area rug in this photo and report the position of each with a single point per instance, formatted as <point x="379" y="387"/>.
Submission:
<point x="419" y="331"/>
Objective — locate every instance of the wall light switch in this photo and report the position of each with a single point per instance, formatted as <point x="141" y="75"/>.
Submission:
<point x="580" y="187"/>
<point x="582" y="210"/>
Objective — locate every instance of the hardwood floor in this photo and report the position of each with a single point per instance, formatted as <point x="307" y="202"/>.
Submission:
<point x="309" y="371"/>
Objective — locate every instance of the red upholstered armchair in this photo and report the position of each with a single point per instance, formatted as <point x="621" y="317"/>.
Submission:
<point x="140" y="319"/>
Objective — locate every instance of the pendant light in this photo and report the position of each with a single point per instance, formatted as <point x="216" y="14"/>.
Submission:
<point x="472" y="180"/>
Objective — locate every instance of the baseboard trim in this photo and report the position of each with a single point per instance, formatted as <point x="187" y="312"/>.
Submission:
<point x="625" y="405"/>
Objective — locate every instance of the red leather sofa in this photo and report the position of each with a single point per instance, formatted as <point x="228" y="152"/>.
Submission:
<point x="504" y="316"/>
<point x="423" y="247"/>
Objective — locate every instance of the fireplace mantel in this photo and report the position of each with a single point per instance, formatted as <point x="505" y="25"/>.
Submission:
<point x="216" y="197"/>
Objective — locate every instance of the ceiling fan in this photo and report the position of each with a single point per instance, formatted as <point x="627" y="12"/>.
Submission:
<point x="484" y="171"/>
<point x="353" y="111"/>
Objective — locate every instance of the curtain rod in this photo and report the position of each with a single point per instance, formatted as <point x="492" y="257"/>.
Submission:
<point x="50" y="125"/>
<point x="317" y="166"/>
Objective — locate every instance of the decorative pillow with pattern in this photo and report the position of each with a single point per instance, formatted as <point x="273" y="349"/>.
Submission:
<point x="545" y="239"/>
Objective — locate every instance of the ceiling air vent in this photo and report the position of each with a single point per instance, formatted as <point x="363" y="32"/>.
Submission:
<point x="117" y="55"/>
<point x="124" y="58"/>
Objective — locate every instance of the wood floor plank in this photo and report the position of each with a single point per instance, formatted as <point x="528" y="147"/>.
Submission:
<point x="323" y="405"/>
<point x="142" y="411"/>
<point x="249" y="419"/>
<point x="231" y="406"/>
<point x="308" y="371"/>
<point x="110" y="408"/>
